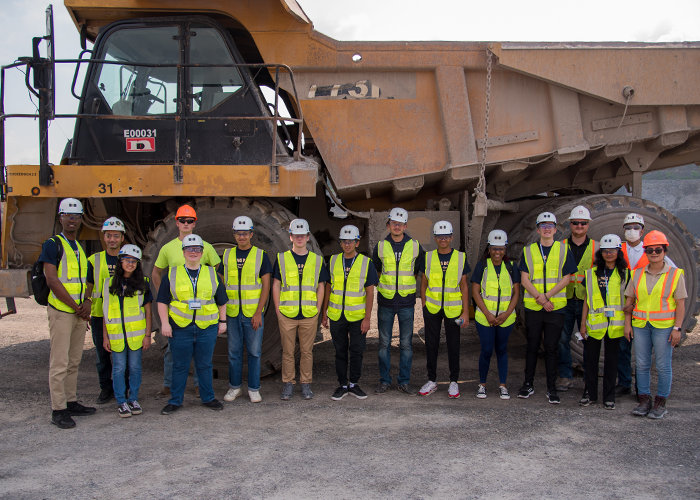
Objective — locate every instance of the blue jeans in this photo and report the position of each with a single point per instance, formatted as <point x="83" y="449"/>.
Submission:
<point x="185" y="344"/>
<point x="385" y="323"/>
<point x="572" y="314"/>
<point x="240" y="331"/>
<point x="624" y="363"/>
<point x="493" y="337"/>
<point x="119" y="364"/>
<point x="645" y="339"/>
<point x="168" y="369"/>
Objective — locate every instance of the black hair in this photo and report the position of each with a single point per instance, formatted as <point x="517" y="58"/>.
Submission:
<point x="131" y="285"/>
<point x="600" y="264"/>
<point x="487" y="255"/>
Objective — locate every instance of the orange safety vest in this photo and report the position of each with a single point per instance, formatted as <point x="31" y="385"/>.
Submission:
<point x="642" y="262"/>
<point x="659" y="306"/>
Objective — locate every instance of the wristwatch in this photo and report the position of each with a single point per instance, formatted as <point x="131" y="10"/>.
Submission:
<point x="222" y="321"/>
<point x="677" y="328"/>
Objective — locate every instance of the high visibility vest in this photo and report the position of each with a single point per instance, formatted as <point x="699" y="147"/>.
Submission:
<point x="443" y="288"/>
<point x="642" y="262"/>
<point x="133" y="317"/>
<point x="496" y="291"/>
<point x="182" y="292"/>
<point x="659" y="306"/>
<point x="72" y="273"/>
<point x="100" y="273"/>
<point x="575" y="286"/>
<point x="597" y="323"/>
<point x="544" y="278"/>
<point x="403" y="279"/>
<point x="247" y="290"/>
<point x="294" y="295"/>
<point x="348" y="295"/>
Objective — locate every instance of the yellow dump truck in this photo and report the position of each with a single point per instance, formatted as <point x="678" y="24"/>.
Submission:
<point x="484" y="135"/>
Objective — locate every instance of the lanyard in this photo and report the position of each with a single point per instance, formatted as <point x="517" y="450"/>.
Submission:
<point x="544" y="257"/>
<point x="351" y="264"/>
<point x="194" y="280"/>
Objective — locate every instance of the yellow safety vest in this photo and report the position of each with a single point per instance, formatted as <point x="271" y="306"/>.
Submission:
<point x="544" y="278"/>
<point x="586" y="263"/>
<point x="403" y="279"/>
<point x="72" y="273"/>
<point x="348" y="296"/>
<point x="249" y="283"/>
<point x="293" y="295"/>
<point x="100" y="273"/>
<point x="496" y="291"/>
<point x="443" y="288"/>
<point x="597" y="323"/>
<point x="182" y="292"/>
<point x="133" y="314"/>
<point x="659" y="307"/>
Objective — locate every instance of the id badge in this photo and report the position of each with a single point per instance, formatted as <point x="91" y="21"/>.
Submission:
<point x="195" y="305"/>
<point x="609" y="312"/>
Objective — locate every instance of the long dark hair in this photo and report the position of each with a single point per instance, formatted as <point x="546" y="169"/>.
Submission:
<point x="487" y="255"/>
<point x="134" y="283"/>
<point x="620" y="263"/>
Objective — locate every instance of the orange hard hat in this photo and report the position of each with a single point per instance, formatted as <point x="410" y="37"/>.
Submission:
<point x="655" y="238"/>
<point x="186" y="211"/>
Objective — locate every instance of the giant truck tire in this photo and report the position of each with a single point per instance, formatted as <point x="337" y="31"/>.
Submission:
<point x="608" y="212"/>
<point x="214" y="222"/>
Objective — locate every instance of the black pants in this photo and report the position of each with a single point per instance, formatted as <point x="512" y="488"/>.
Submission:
<point x="347" y="337"/>
<point x="537" y="323"/>
<point x="612" y="350"/>
<point x="104" y="358"/>
<point x="432" y="342"/>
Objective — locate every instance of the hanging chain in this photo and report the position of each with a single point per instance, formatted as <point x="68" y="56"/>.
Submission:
<point x="481" y="186"/>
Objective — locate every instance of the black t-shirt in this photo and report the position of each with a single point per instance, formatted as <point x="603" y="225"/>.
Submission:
<point x="111" y="260"/>
<point x="241" y="256"/>
<point x="372" y="277"/>
<point x="324" y="275"/>
<point x="578" y="250"/>
<point x="397" y="302"/>
<point x="478" y="273"/>
<point x="570" y="266"/>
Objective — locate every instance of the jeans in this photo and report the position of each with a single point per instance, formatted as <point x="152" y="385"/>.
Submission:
<point x="104" y="361"/>
<point x="240" y="331"/>
<point x="185" y="344"/>
<point x="120" y="360"/>
<point x="573" y="313"/>
<point x="645" y="339"/>
<point x="348" y="339"/>
<point x="612" y="348"/>
<point x="624" y="363"/>
<point x="168" y="369"/>
<point x="493" y="337"/>
<point x="433" y="322"/>
<point x="537" y="323"/>
<point x="385" y="323"/>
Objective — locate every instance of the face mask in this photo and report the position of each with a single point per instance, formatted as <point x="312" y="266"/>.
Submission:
<point x="632" y="234"/>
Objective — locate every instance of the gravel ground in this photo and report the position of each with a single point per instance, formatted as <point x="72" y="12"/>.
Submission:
<point x="384" y="447"/>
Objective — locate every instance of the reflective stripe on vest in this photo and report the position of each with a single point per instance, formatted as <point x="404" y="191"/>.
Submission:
<point x="134" y="319"/>
<point x="659" y="307"/>
<point x="586" y="263"/>
<point x="250" y="283"/>
<point x="401" y="279"/>
<point x="100" y="272"/>
<point x="642" y="262"/>
<point x="496" y="291"/>
<point x="597" y="323"/>
<point x="72" y="273"/>
<point x="348" y="295"/>
<point x="292" y="294"/>
<point x="543" y="276"/>
<point x="443" y="290"/>
<point x="182" y="292"/>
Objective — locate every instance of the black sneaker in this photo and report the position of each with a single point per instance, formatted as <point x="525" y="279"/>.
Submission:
<point x="61" y="419"/>
<point x="169" y="409"/>
<point x="75" y="409"/>
<point x="339" y="393"/>
<point x="135" y="408"/>
<point x="621" y="390"/>
<point x="408" y="390"/>
<point x="214" y="404"/>
<point x="610" y="405"/>
<point x="553" y="398"/>
<point x="123" y="410"/>
<point x="526" y="391"/>
<point x="585" y="399"/>
<point x="357" y="392"/>
<point x="381" y="389"/>
<point x="105" y="396"/>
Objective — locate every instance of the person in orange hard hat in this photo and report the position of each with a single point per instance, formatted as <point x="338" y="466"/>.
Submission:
<point x="658" y="294"/>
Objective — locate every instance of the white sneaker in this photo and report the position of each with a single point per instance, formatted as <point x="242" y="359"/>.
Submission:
<point x="429" y="388"/>
<point x="481" y="393"/>
<point x="453" y="391"/>
<point x="504" y="392"/>
<point x="254" y="396"/>
<point x="233" y="394"/>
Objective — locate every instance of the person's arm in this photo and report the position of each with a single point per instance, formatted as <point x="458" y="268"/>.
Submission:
<point x="222" y="317"/>
<point x="165" y="327"/>
<point x="423" y="289"/>
<point x="527" y="284"/>
<point x="629" y="332"/>
<point x="584" y="317"/>
<point x="147" y="338"/>
<point x="320" y="294"/>
<point x="60" y="292"/>
<point x="515" y="296"/>
<point x="464" y="288"/>
<point x="675" y="336"/>
<point x="105" y="337"/>
<point x="369" y="293"/>
<point x="324" y="310"/>
<point x="156" y="276"/>
<point x="276" y="290"/>
<point x="256" y="320"/>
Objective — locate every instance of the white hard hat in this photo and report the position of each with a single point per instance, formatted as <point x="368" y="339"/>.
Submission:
<point x="398" y="215"/>
<point x="349" y="233"/>
<point x="610" y="241"/>
<point x="546" y="217"/>
<point x="192" y="240"/>
<point x="299" y="226"/>
<point x="442" y="227"/>
<point x="580" y="213"/>
<point x="242" y="223"/>
<point x="70" y="206"/>
<point x="131" y="250"/>
<point x="497" y="238"/>
<point x="634" y="219"/>
<point x="113" y="224"/>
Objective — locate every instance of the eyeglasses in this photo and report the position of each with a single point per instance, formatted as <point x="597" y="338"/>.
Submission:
<point x="654" y="250"/>
<point x="242" y="234"/>
<point x="394" y="223"/>
<point x="347" y="242"/>
<point x="497" y="249"/>
<point x="609" y="251"/>
<point x="194" y="249"/>
<point x="546" y="226"/>
<point x="443" y="237"/>
<point x="72" y="216"/>
<point x="579" y="223"/>
<point x="186" y="221"/>
<point x="131" y="262"/>
<point x="636" y="227"/>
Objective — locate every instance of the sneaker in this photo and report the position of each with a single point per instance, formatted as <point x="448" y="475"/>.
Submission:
<point x="254" y="396"/>
<point x="621" y="390"/>
<point x="339" y="393"/>
<point x="453" y="390"/>
<point x="105" y="396"/>
<point x="564" y="384"/>
<point x="644" y="406"/>
<point x="526" y="391"/>
<point x="123" y="410"/>
<point x="585" y="399"/>
<point x="196" y="391"/>
<point x="233" y="394"/>
<point x="504" y="392"/>
<point x="214" y="404"/>
<point x="381" y="389"/>
<point x="61" y="419"/>
<point x="75" y="409"/>
<point x="659" y="408"/>
<point x="553" y="398"/>
<point x="169" y="409"/>
<point x="609" y="405"/>
<point x="306" y="392"/>
<point x="287" y="391"/>
<point x="163" y="393"/>
<point x="428" y="388"/>
<point x="357" y="392"/>
<point x="481" y="393"/>
<point x="135" y="408"/>
<point x="408" y="390"/>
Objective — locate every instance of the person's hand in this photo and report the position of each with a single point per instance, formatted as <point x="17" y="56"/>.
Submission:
<point x="465" y="317"/>
<point x="364" y="326"/>
<point x="582" y="331"/>
<point x="324" y="320"/>
<point x="542" y="299"/>
<point x="166" y="330"/>
<point x="629" y="333"/>
<point x="501" y="318"/>
<point x="674" y="338"/>
<point x="146" y="342"/>
<point x="106" y="345"/>
<point x="256" y="320"/>
<point x="628" y="309"/>
<point x="490" y="318"/>
<point x="549" y="307"/>
<point x="222" y="328"/>
<point x="84" y="310"/>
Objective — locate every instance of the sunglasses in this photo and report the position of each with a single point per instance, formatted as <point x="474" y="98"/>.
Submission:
<point x="194" y="249"/>
<point x="579" y="223"/>
<point x="609" y="251"/>
<point x="546" y="226"/>
<point x="636" y="227"/>
<point x="654" y="250"/>
<point x="242" y="233"/>
<point x="186" y="221"/>
<point x="347" y="242"/>
<point x="131" y="262"/>
<point x="443" y="237"/>
<point x="497" y="249"/>
<point x="73" y="216"/>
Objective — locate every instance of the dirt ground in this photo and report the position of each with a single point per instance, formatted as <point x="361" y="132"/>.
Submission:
<point x="392" y="446"/>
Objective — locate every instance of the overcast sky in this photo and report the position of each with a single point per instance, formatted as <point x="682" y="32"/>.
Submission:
<point x="505" y="20"/>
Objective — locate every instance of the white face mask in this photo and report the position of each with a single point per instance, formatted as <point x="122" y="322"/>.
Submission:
<point x="632" y="234"/>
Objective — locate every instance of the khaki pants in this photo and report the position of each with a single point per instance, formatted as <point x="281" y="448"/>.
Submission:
<point x="306" y="329"/>
<point x="67" y="334"/>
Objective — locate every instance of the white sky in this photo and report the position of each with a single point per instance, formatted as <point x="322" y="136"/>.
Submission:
<point x="504" y="20"/>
